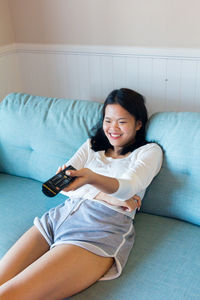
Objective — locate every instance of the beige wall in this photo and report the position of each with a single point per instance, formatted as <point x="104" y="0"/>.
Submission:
<point x="150" y="23"/>
<point x="146" y="23"/>
<point x="6" y="30"/>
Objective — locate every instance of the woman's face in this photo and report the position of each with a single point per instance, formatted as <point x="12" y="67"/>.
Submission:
<point x="120" y="127"/>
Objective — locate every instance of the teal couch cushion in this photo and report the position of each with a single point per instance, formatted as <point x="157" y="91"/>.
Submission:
<point x="164" y="264"/>
<point x="38" y="134"/>
<point x="21" y="200"/>
<point x="175" y="192"/>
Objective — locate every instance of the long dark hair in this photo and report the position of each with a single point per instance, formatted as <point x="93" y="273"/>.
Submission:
<point x="134" y="103"/>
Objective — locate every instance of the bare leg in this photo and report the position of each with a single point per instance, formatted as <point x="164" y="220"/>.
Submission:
<point x="61" y="272"/>
<point x="25" y="251"/>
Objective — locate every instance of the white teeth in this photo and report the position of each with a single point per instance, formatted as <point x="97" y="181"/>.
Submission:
<point x="115" y="135"/>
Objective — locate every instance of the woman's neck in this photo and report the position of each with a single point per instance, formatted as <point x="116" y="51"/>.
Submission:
<point x="115" y="153"/>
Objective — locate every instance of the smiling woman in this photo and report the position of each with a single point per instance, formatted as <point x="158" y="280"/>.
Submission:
<point x="94" y="226"/>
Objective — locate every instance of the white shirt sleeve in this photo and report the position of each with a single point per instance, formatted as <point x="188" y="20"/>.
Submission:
<point x="141" y="172"/>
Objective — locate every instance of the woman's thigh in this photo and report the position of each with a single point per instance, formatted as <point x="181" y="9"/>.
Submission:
<point x="61" y="272"/>
<point x="25" y="251"/>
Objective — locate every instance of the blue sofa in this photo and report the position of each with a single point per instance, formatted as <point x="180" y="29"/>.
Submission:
<point x="38" y="134"/>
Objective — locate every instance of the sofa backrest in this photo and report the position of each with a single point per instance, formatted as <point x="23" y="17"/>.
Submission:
<point x="175" y="192"/>
<point x="38" y="134"/>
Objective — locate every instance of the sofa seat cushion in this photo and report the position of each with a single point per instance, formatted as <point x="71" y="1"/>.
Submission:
<point x="164" y="264"/>
<point x="21" y="200"/>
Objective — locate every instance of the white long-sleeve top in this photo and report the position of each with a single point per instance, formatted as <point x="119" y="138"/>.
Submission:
<point x="134" y="172"/>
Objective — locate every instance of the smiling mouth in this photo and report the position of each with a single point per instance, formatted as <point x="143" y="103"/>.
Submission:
<point x="115" y="136"/>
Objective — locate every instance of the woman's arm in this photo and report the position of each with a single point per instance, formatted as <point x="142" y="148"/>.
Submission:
<point x="106" y="184"/>
<point x="138" y="176"/>
<point x="84" y="176"/>
<point x="140" y="172"/>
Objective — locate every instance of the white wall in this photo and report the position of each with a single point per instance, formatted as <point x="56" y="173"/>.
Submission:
<point x="169" y="79"/>
<point x="10" y="78"/>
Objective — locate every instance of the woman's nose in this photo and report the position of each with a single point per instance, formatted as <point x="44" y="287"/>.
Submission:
<point x="114" y="125"/>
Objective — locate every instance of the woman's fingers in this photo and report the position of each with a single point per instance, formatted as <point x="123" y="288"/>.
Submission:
<point x="72" y="173"/>
<point x="82" y="178"/>
<point x="77" y="183"/>
<point x="133" y="203"/>
<point x="138" y="200"/>
<point x="59" y="170"/>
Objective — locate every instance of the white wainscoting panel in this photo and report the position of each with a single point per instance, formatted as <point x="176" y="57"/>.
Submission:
<point x="168" y="78"/>
<point x="10" y="79"/>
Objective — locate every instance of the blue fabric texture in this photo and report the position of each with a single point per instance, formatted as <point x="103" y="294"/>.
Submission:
<point x="164" y="262"/>
<point x="38" y="134"/>
<point x="175" y="192"/>
<point x="21" y="200"/>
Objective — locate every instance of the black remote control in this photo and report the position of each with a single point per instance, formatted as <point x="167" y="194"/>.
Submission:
<point x="57" y="183"/>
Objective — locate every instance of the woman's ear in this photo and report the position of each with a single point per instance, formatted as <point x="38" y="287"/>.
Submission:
<point x="138" y="125"/>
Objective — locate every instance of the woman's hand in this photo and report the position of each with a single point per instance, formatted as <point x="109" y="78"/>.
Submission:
<point x="132" y="203"/>
<point x="83" y="176"/>
<point x="129" y="205"/>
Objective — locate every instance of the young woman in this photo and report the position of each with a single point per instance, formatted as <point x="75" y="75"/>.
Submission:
<point x="89" y="237"/>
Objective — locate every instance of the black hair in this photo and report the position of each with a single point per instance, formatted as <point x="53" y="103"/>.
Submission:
<point x="134" y="103"/>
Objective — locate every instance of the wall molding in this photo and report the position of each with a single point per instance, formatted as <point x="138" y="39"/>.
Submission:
<point x="7" y="49"/>
<point x="173" y="53"/>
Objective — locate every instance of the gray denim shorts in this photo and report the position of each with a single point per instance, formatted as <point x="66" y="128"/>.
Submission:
<point x="92" y="226"/>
